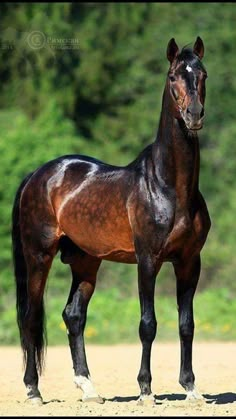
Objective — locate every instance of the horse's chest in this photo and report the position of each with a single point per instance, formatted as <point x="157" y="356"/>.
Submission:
<point x="181" y="231"/>
<point x="185" y="237"/>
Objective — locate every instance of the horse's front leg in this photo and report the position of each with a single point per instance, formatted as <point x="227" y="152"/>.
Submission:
<point x="147" y="272"/>
<point x="187" y="275"/>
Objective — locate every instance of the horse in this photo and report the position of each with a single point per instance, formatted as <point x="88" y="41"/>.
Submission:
<point x="148" y="212"/>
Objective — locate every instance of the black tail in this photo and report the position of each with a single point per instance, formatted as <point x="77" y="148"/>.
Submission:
<point x="20" y="270"/>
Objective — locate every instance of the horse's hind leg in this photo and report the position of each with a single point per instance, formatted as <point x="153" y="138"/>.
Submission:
<point x="38" y="265"/>
<point x="187" y="275"/>
<point x="84" y="270"/>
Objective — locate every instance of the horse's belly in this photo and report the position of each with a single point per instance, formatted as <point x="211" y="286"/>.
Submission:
<point x="111" y="245"/>
<point x="122" y="256"/>
<point x="100" y="230"/>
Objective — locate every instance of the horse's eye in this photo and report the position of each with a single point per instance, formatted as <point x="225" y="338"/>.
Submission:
<point x="175" y="93"/>
<point x="172" y="78"/>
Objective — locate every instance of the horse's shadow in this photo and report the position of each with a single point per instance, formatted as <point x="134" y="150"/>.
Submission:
<point x="53" y="401"/>
<point x="222" y="398"/>
<point x="121" y="399"/>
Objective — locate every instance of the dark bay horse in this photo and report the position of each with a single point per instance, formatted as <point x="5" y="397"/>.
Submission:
<point x="147" y="212"/>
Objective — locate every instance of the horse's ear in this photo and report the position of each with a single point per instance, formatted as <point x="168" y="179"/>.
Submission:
<point x="198" y="48"/>
<point x="172" y="50"/>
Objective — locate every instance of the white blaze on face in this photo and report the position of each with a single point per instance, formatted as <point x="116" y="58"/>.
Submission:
<point x="189" y="69"/>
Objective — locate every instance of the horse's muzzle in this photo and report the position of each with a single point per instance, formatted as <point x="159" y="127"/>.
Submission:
<point x="194" y="115"/>
<point x="194" y="125"/>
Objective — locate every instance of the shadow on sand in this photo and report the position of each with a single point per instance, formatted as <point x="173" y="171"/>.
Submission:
<point x="222" y="398"/>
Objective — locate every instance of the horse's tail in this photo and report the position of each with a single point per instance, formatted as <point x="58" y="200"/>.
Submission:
<point x="20" y="271"/>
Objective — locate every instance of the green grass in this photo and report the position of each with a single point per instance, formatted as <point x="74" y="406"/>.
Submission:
<point x="113" y="318"/>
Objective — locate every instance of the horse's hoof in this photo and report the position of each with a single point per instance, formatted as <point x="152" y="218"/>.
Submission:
<point x="146" y="400"/>
<point x="35" y="401"/>
<point x="95" y="399"/>
<point x="193" y="396"/>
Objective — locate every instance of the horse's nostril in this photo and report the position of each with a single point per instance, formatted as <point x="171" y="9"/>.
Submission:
<point x="202" y="113"/>
<point x="188" y="111"/>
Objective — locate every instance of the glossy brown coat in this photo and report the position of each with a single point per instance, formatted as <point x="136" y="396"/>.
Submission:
<point x="147" y="212"/>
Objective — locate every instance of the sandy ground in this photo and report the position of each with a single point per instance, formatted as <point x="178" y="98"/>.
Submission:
<point x="114" y="370"/>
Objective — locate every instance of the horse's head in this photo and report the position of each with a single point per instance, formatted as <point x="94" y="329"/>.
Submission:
<point x="186" y="83"/>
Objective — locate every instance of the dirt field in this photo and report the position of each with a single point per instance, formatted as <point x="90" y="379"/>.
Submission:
<point x="114" y="370"/>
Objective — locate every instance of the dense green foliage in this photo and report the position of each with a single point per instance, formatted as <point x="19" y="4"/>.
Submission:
<point x="88" y="78"/>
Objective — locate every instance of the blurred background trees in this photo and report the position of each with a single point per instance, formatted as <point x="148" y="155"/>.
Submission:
<point x="88" y="78"/>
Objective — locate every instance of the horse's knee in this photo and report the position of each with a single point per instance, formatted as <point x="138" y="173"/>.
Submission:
<point x="186" y="330"/>
<point x="147" y="328"/>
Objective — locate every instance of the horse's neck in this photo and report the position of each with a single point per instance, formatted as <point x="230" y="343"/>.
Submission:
<point x="176" y="158"/>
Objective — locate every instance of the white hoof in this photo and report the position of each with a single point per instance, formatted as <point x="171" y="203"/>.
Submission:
<point x="34" y="401"/>
<point x="146" y="400"/>
<point x="95" y="399"/>
<point x="87" y="387"/>
<point x="194" y="395"/>
<point x="33" y="395"/>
